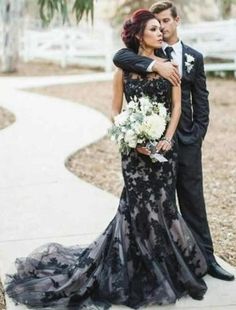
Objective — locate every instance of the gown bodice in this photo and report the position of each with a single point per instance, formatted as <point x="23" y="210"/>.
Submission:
<point x="150" y="84"/>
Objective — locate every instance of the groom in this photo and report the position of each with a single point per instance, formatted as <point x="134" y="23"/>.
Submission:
<point x="192" y="127"/>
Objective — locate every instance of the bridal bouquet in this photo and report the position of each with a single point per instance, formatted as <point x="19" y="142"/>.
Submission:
<point x="142" y="123"/>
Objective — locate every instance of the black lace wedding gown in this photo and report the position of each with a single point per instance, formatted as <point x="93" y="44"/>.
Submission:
<point x="146" y="255"/>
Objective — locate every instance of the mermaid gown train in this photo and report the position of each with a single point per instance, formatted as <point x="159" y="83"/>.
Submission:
<point x="146" y="255"/>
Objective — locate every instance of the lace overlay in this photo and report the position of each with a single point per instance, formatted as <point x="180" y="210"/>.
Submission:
<point x="146" y="255"/>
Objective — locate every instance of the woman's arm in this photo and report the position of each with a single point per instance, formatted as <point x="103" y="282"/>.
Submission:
<point x="165" y="144"/>
<point x="117" y="97"/>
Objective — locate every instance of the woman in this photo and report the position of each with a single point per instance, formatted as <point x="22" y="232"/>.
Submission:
<point x="147" y="254"/>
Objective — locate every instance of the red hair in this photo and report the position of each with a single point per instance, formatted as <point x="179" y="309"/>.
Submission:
<point x="134" y="26"/>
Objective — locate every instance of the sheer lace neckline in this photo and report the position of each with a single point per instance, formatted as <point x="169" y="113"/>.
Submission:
<point x="150" y="76"/>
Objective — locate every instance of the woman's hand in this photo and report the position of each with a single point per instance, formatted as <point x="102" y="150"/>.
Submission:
<point x="164" y="145"/>
<point x="143" y="150"/>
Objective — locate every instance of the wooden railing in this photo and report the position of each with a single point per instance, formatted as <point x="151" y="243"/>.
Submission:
<point x="216" y="40"/>
<point x="70" y="45"/>
<point x="94" y="45"/>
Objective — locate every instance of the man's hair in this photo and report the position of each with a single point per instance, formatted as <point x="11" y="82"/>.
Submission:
<point x="162" y="5"/>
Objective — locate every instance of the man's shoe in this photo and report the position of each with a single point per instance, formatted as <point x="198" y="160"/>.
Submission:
<point x="218" y="272"/>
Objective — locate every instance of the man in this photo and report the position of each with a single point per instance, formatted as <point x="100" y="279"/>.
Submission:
<point x="192" y="127"/>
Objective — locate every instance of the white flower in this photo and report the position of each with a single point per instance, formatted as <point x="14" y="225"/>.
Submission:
<point x="145" y="104"/>
<point x="136" y="127"/>
<point x="153" y="126"/>
<point x="189" y="57"/>
<point x="131" y="138"/>
<point x="121" y="118"/>
<point x="189" y="62"/>
<point x="132" y="105"/>
<point x="144" y="101"/>
<point x="162" y="110"/>
<point x="120" y="137"/>
<point x="132" y="118"/>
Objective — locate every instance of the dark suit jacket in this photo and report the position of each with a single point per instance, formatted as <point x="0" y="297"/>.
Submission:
<point x="194" y="118"/>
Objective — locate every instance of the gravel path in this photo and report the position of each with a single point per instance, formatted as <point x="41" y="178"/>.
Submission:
<point x="100" y="163"/>
<point x="35" y="69"/>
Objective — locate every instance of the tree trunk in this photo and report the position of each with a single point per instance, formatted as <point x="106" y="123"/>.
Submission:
<point x="11" y="24"/>
<point x="225" y="7"/>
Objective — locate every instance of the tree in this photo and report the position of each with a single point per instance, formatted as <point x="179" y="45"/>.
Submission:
<point x="11" y="13"/>
<point x="12" y="16"/>
<point x="225" y="7"/>
<point x="48" y="8"/>
<point x="190" y="11"/>
<point x="126" y="7"/>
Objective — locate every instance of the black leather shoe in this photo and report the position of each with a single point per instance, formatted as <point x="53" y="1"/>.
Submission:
<point x="197" y="296"/>
<point x="218" y="272"/>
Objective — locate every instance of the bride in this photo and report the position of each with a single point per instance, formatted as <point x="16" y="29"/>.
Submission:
<point x="146" y="255"/>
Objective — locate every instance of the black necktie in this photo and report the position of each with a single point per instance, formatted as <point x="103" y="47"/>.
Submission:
<point x="168" y="51"/>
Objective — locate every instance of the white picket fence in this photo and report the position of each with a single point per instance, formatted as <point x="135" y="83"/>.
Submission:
<point x="214" y="39"/>
<point x="70" y="45"/>
<point x="94" y="46"/>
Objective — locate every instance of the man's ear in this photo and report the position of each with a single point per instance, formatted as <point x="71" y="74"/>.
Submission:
<point x="177" y="19"/>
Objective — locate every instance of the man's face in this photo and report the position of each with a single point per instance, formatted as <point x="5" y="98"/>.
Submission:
<point x="168" y="24"/>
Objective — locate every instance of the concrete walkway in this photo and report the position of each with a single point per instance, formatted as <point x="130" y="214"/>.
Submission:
<point x="41" y="201"/>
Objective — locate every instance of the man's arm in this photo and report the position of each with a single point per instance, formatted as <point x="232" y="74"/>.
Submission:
<point x="200" y="99"/>
<point x="128" y="60"/>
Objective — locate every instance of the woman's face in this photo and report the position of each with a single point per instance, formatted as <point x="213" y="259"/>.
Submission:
<point x="152" y="36"/>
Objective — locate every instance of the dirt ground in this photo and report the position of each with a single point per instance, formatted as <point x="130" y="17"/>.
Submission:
<point x="39" y="68"/>
<point x="6" y="118"/>
<point x="99" y="163"/>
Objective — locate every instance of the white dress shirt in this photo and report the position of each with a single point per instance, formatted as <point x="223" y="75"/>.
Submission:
<point x="176" y="54"/>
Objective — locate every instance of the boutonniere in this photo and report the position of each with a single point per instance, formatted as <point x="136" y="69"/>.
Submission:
<point x="189" y="62"/>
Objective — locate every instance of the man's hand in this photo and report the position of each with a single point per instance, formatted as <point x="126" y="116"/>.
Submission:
<point x="168" y="70"/>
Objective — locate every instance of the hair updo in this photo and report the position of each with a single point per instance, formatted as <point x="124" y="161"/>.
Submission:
<point x="134" y="26"/>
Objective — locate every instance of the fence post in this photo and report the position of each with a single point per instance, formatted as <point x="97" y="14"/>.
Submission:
<point x="108" y="50"/>
<point x="64" y="47"/>
<point x="235" y="67"/>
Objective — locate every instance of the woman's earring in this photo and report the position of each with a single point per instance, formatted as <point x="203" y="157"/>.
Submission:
<point x="141" y="43"/>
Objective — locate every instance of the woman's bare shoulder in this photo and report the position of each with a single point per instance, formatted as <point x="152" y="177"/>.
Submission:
<point x="118" y="73"/>
<point x="118" y="76"/>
